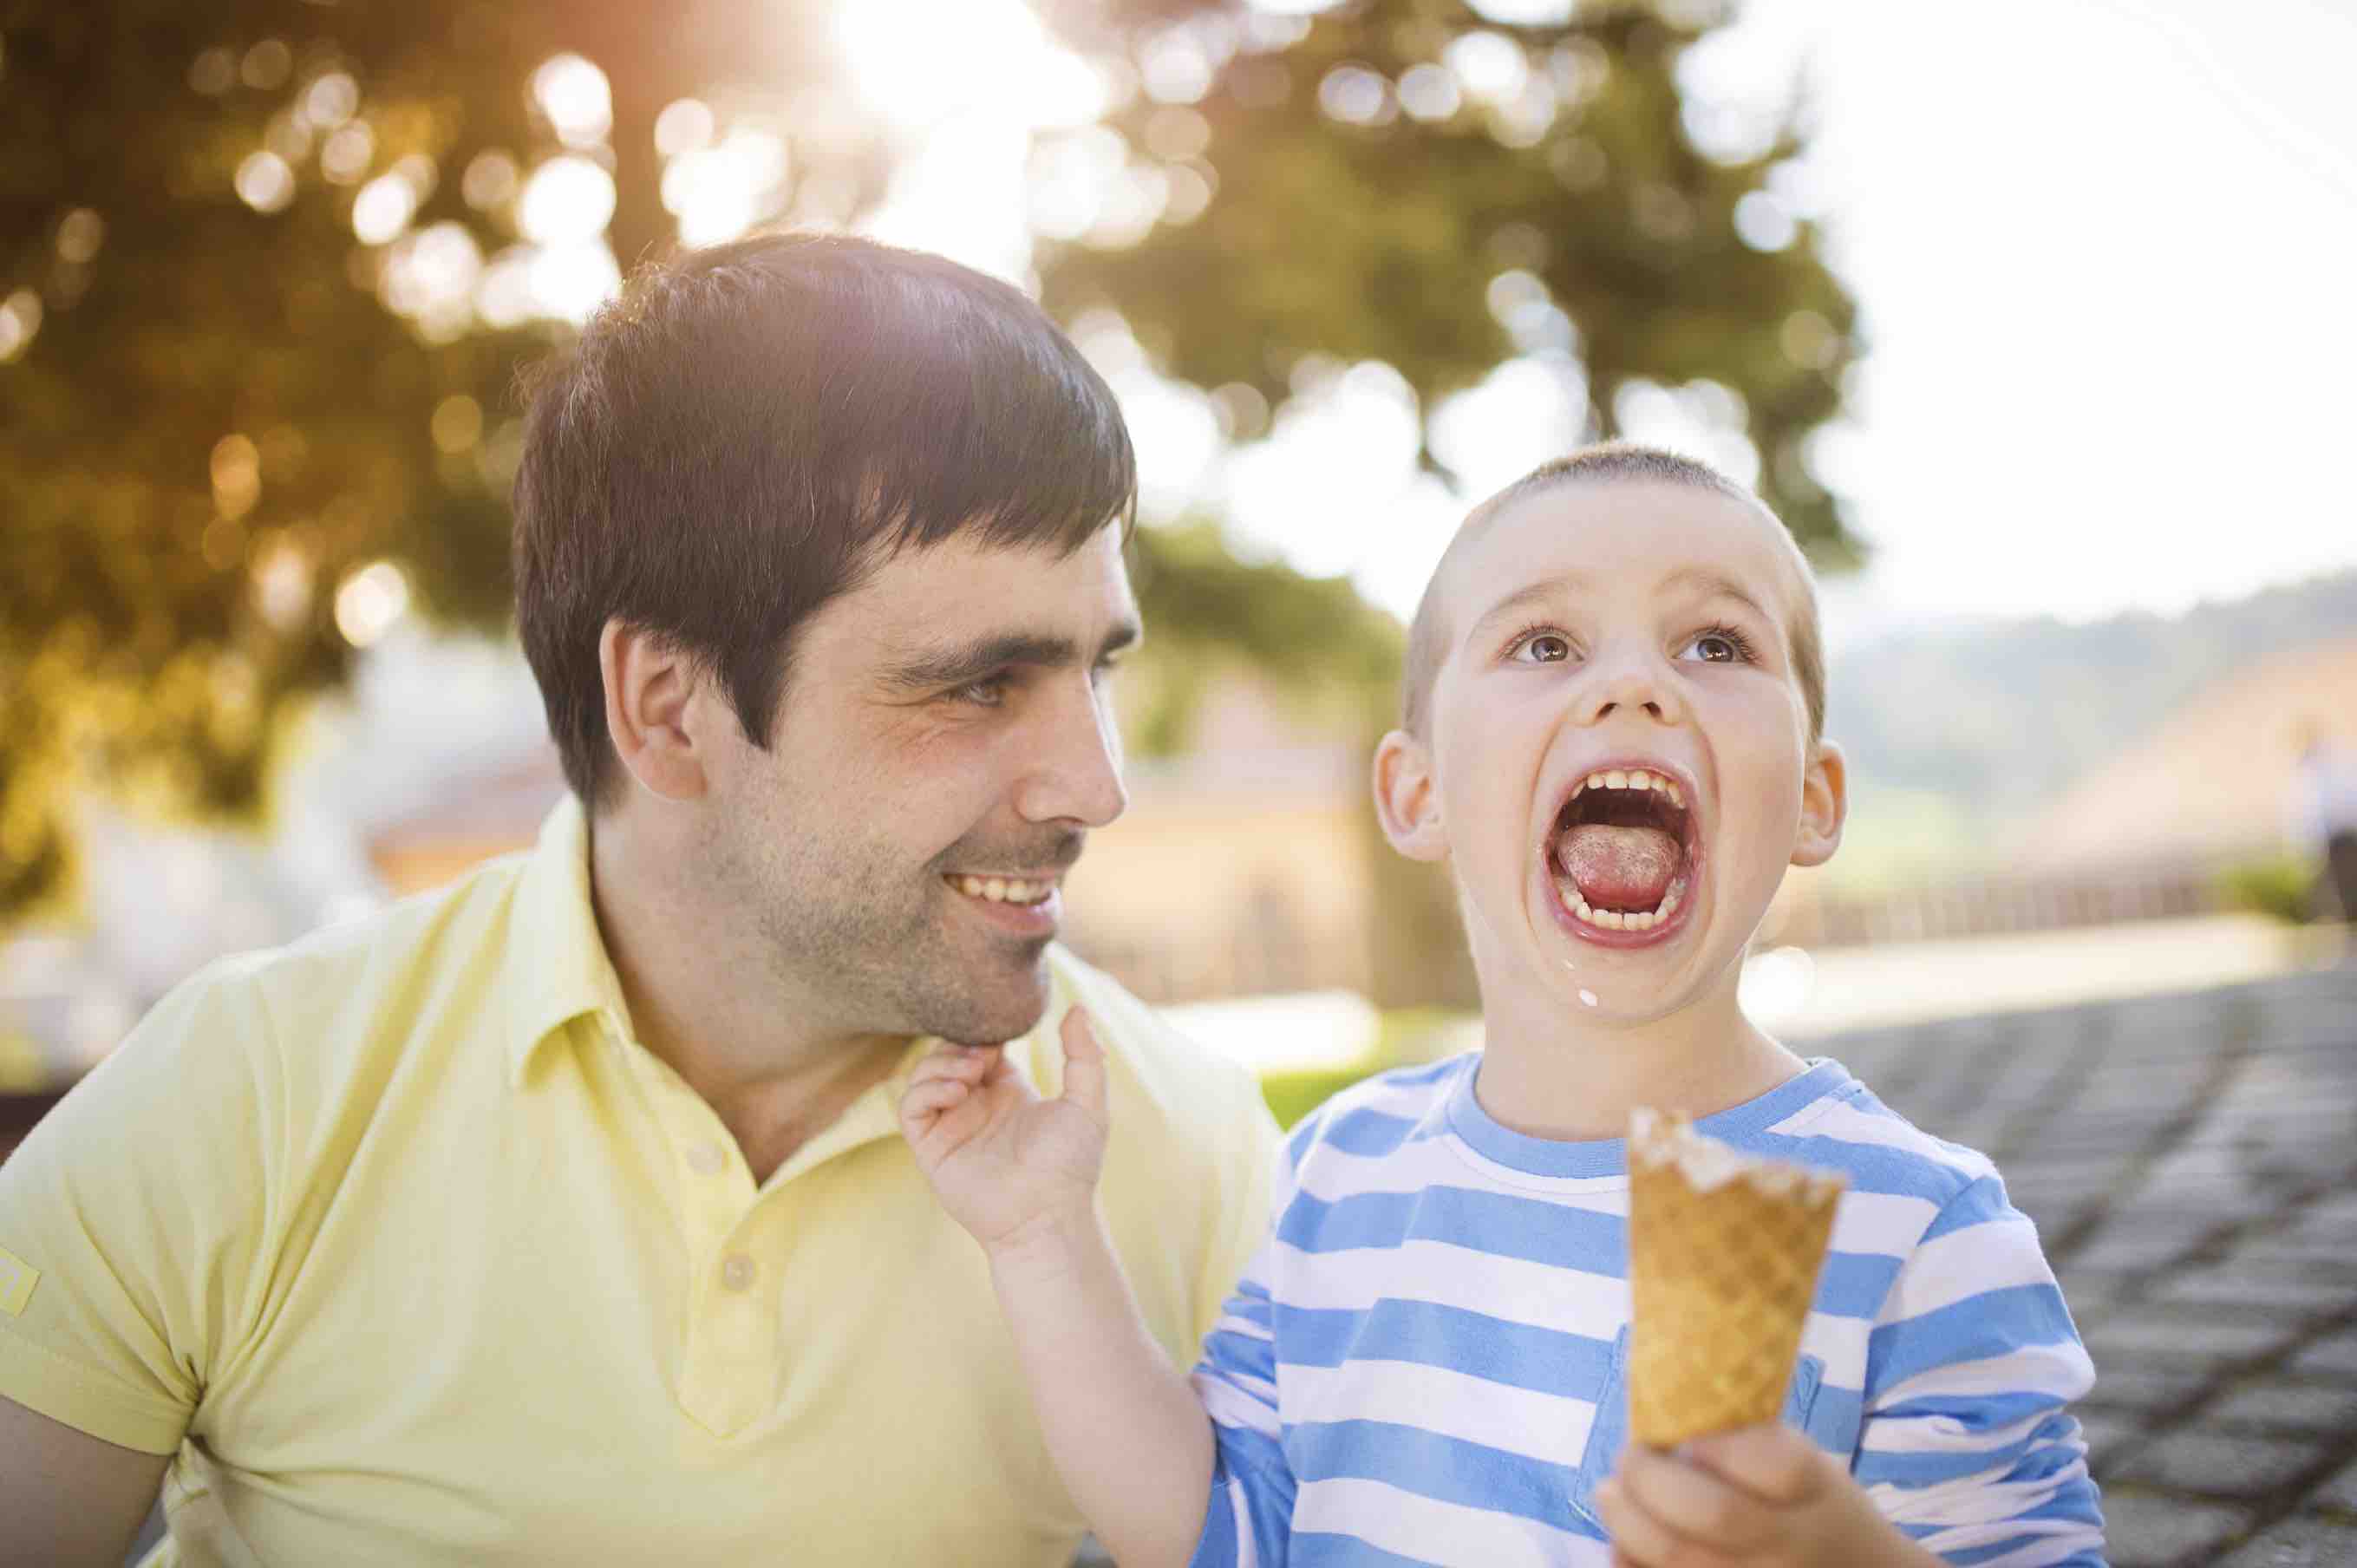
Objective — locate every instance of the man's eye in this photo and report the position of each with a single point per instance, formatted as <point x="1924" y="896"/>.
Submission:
<point x="984" y="694"/>
<point x="1542" y="648"/>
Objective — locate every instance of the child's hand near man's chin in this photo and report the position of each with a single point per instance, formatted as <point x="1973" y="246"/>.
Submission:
<point x="1765" y="1496"/>
<point x="1008" y="1165"/>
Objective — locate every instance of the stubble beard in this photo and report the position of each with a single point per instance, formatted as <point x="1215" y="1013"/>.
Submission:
<point x="879" y="945"/>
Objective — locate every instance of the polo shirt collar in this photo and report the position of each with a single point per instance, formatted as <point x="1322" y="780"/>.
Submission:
<point x="557" y="967"/>
<point x="558" y="970"/>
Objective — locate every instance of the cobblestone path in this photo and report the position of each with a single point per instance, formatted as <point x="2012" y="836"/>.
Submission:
<point x="2191" y="1164"/>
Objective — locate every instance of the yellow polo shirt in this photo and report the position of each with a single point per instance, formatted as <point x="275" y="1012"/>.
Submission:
<point x="409" y="1254"/>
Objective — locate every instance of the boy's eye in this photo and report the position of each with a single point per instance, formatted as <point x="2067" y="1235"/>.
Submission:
<point x="1542" y="648"/>
<point x="1721" y="645"/>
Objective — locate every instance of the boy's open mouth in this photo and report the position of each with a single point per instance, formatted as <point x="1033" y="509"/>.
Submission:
<point x="1623" y="855"/>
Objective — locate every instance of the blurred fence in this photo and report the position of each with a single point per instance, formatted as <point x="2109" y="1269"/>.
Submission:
<point x="2004" y="905"/>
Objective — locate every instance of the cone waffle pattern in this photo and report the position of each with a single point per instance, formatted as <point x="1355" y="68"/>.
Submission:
<point x="1721" y="1280"/>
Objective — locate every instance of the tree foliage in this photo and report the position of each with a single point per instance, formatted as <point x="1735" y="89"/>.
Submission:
<point x="233" y="432"/>
<point x="1367" y="203"/>
<point x="215" y="413"/>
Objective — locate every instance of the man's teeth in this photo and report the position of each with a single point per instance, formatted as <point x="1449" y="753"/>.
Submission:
<point x="1003" y="889"/>
<point x="1629" y="920"/>
<point x="1632" y="778"/>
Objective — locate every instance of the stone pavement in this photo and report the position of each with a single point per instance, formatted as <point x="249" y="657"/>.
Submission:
<point x="2191" y="1162"/>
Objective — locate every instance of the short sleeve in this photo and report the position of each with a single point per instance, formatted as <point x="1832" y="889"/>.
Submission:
<point x="1968" y="1444"/>
<point x="136" y="1210"/>
<point x="1248" y="1517"/>
<point x="1242" y="1218"/>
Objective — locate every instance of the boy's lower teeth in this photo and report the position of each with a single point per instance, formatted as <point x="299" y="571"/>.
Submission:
<point x="1624" y="919"/>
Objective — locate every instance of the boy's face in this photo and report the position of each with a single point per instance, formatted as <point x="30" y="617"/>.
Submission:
<point x="1619" y="766"/>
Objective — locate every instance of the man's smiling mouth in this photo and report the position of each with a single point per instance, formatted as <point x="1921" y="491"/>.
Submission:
<point x="1003" y="889"/>
<point x="1623" y="852"/>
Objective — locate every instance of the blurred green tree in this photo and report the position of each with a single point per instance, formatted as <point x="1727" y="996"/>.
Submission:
<point x="260" y="265"/>
<point x="1423" y="183"/>
<point x="1441" y="185"/>
<point x="252" y="407"/>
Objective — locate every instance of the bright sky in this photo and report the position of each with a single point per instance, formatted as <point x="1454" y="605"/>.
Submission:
<point x="2101" y="249"/>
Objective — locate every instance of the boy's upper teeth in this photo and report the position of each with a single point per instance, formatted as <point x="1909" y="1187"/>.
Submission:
<point x="1632" y="778"/>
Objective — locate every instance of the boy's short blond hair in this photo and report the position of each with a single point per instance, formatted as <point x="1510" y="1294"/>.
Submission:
<point x="1428" y="634"/>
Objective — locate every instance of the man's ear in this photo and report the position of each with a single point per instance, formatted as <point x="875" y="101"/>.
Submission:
<point x="651" y="687"/>
<point x="1825" y="805"/>
<point x="1407" y="802"/>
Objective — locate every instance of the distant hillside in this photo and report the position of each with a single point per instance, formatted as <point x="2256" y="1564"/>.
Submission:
<point x="1963" y="738"/>
<point x="2214" y="778"/>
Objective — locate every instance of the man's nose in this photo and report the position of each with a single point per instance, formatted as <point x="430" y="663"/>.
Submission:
<point x="1631" y="682"/>
<point x="1075" y="774"/>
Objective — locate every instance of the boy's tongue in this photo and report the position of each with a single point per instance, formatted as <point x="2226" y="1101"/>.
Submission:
<point x="1619" y="868"/>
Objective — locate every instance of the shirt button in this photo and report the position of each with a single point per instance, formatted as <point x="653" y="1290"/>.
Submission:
<point x="705" y="1159"/>
<point x="737" y="1273"/>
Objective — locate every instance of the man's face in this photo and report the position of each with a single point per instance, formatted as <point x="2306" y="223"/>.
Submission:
<point x="1619" y="743"/>
<point x="942" y="745"/>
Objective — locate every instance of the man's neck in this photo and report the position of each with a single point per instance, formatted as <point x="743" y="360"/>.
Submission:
<point x="1550" y="1074"/>
<point x="705" y="997"/>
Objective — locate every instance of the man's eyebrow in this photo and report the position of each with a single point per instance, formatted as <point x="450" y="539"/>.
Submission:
<point x="963" y="663"/>
<point x="1719" y="585"/>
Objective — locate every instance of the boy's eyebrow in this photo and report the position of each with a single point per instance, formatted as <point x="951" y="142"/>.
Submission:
<point x="1717" y="585"/>
<point x="963" y="663"/>
<point x="1529" y="595"/>
<point x="1712" y="582"/>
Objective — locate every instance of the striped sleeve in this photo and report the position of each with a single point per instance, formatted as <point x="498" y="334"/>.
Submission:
<point x="1250" y="1514"/>
<point x="1967" y="1444"/>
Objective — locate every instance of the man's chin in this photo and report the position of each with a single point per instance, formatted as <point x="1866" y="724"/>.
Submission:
<point x="1000" y="1003"/>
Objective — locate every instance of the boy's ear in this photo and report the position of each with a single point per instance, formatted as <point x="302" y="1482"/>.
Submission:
<point x="651" y="688"/>
<point x="1824" y="806"/>
<point x="1406" y="803"/>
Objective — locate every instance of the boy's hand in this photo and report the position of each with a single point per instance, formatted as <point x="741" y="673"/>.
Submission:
<point x="1765" y="1496"/>
<point x="1005" y="1163"/>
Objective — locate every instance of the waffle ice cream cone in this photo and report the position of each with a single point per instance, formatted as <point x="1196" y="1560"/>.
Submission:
<point x="1724" y="1249"/>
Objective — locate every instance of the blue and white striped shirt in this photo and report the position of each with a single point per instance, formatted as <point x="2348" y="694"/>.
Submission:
<point x="1423" y="1361"/>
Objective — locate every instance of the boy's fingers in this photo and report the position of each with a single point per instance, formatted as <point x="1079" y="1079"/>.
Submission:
<point x="1693" y="1503"/>
<point x="1773" y="1463"/>
<point x="1643" y="1541"/>
<point x="924" y="1101"/>
<point x="1084" y="1066"/>
<point x="948" y="1061"/>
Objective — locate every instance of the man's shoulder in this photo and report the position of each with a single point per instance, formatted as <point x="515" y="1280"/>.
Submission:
<point x="340" y="980"/>
<point x="454" y="919"/>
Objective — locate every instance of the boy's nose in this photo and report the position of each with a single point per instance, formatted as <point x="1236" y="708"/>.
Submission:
<point x="1632" y="687"/>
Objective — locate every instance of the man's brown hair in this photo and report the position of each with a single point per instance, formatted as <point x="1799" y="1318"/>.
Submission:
<point x="1428" y="634"/>
<point x="749" y="429"/>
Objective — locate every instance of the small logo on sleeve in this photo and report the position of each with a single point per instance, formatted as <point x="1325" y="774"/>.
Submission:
<point x="18" y="1279"/>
